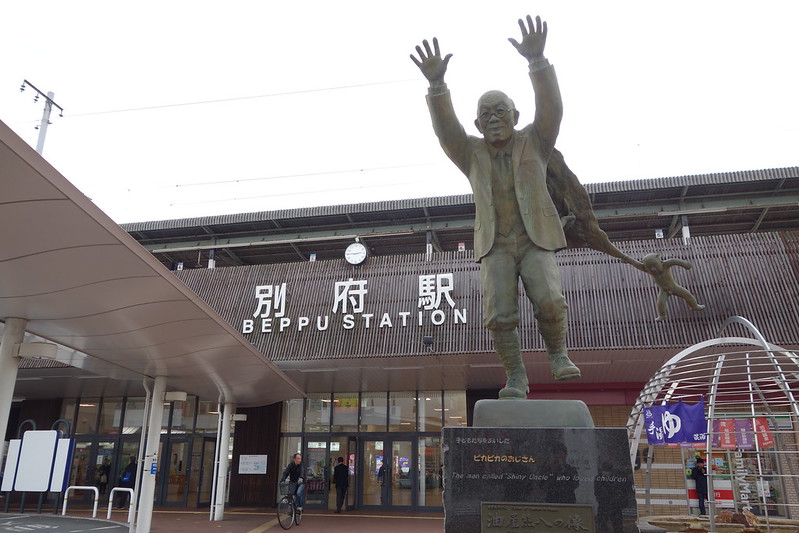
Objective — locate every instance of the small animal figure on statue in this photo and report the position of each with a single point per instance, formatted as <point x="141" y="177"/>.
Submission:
<point x="581" y="228"/>
<point x="660" y="271"/>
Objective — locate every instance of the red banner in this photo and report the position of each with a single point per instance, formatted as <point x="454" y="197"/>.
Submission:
<point x="727" y="434"/>
<point x="763" y="433"/>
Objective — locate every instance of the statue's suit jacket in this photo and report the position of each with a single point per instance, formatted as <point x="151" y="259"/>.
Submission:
<point x="530" y="153"/>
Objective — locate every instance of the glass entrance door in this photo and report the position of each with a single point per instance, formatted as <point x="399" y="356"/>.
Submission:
<point x="345" y="447"/>
<point x="174" y="470"/>
<point x="431" y="471"/>
<point x="352" y="461"/>
<point x="81" y="470"/>
<point x="102" y="469"/>
<point x="388" y="473"/>
<point x="402" y="473"/>
<point x="317" y="473"/>
<point x="206" y="472"/>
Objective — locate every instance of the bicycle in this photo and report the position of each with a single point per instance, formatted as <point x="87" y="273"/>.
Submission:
<point x="287" y="512"/>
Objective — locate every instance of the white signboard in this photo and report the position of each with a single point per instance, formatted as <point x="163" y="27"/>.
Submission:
<point x="252" y="464"/>
<point x="63" y="460"/>
<point x="10" y="471"/>
<point x="35" y="467"/>
<point x="38" y="462"/>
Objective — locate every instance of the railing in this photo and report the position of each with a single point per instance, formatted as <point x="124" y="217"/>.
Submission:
<point x="80" y="487"/>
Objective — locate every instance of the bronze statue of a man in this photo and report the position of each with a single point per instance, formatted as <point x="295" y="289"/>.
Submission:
<point x="517" y="227"/>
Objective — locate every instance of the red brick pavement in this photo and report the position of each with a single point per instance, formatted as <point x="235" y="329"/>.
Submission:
<point x="238" y="520"/>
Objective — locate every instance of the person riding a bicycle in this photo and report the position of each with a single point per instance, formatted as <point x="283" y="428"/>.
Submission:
<point x="294" y="473"/>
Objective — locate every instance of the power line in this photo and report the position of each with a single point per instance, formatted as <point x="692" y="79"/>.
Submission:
<point x="305" y="175"/>
<point x="280" y="176"/>
<point x="239" y="98"/>
<point x="296" y="193"/>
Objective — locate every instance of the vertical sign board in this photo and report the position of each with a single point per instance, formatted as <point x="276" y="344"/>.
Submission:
<point x="63" y="461"/>
<point x="36" y="458"/>
<point x="10" y="470"/>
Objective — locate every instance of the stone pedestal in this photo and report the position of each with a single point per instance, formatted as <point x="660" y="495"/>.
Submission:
<point x="553" y="479"/>
<point x="532" y="414"/>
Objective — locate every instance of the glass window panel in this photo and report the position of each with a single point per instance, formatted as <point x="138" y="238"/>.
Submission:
<point x="110" y="415"/>
<point x="430" y="407"/>
<point x="402" y="411"/>
<point x="80" y="469"/>
<point x="317" y="470"/>
<point x="130" y="450"/>
<point x="167" y="406"/>
<point x="292" y="416"/>
<point x="88" y="408"/>
<point x="375" y="487"/>
<point x="455" y="408"/>
<point x="175" y="471"/>
<point x="102" y="466"/>
<point x="193" y="469"/>
<point x="183" y="415"/>
<point x="203" y="469"/>
<point x="431" y="465"/>
<point x="345" y="412"/>
<point x="374" y="411"/>
<point x="207" y="417"/>
<point x="317" y="412"/>
<point x="402" y="477"/>
<point x="134" y="417"/>
<point x="68" y="414"/>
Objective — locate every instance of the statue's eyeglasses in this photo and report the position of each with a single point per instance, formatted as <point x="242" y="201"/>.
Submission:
<point x="499" y="112"/>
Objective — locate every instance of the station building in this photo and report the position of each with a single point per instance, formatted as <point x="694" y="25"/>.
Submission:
<point x="368" y="355"/>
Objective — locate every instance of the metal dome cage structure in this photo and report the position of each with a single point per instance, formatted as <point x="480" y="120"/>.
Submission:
<point x="746" y="382"/>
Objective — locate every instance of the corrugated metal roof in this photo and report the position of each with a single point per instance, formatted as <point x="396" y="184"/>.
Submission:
<point x="443" y="201"/>
<point x="27" y="362"/>
<point x="304" y="212"/>
<point x="692" y="180"/>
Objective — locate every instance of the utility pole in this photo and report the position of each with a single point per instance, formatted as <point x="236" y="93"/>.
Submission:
<point x="48" y="107"/>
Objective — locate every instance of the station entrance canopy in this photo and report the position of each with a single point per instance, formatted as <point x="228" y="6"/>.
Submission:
<point x="80" y="281"/>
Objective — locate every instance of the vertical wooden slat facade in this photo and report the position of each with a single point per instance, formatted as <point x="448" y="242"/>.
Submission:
<point x="612" y="305"/>
<point x="258" y="435"/>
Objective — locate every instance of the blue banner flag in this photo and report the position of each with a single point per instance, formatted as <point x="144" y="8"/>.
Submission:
<point x="676" y="423"/>
<point x="653" y="418"/>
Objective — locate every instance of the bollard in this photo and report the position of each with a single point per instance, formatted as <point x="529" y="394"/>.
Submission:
<point x="96" y="498"/>
<point x="130" y="501"/>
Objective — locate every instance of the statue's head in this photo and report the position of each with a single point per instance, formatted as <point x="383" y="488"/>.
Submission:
<point x="496" y="117"/>
<point x="652" y="262"/>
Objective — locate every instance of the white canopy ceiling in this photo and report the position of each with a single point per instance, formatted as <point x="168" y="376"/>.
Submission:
<point x="82" y="282"/>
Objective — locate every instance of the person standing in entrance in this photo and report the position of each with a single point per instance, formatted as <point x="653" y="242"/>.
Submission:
<point x="517" y="228"/>
<point x="341" y="477"/>
<point x="294" y="474"/>
<point x="126" y="480"/>
<point x="699" y="474"/>
<point x="381" y="480"/>
<point x="102" y="476"/>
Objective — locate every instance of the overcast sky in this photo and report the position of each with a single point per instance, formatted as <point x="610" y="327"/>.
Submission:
<point x="178" y="109"/>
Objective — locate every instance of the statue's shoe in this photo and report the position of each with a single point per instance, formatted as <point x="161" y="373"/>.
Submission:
<point x="516" y="387"/>
<point x="563" y="368"/>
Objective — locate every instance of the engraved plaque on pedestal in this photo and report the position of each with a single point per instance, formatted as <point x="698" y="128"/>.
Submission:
<point x="499" y="517"/>
<point x="547" y="467"/>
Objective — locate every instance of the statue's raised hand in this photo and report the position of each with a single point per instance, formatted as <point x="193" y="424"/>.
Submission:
<point x="534" y="38"/>
<point x="430" y="62"/>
